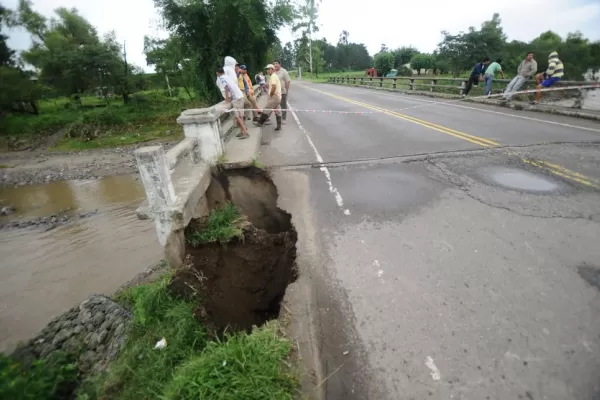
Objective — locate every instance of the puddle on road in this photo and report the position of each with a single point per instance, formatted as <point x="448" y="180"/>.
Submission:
<point x="43" y="274"/>
<point x="518" y="179"/>
<point x="45" y="199"/>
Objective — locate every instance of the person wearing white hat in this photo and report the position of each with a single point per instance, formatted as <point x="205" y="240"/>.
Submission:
<point x="273" y="103"/>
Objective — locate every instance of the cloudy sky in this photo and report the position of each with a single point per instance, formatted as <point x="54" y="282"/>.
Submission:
<point x="395" y="23"/>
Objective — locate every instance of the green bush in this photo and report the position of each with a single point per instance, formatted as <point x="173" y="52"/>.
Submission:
<point x="243" y="366"/>
<point x="53" y="378"/>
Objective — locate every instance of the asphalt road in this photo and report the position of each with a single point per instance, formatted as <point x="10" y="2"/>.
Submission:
<point x="452" y="248"/>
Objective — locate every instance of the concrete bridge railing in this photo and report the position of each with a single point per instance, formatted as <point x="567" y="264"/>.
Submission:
<point x="176" y="180"/>
<point x="439" y="84"/>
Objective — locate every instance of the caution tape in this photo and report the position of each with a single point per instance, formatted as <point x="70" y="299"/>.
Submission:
<point x="432" y="103"/>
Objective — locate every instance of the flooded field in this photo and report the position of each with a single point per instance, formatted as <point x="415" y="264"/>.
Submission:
<point x="44" y="273"/>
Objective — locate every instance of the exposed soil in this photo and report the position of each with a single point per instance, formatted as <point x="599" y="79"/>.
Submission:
<point x="242" y="283"/>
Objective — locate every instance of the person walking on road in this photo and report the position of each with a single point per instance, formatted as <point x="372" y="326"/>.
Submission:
<point x="490" y="72"/>
<point x="476" y="75"/>
<point x="262" y="82"/>
<point x="284" y="78"/>
<point x="274" y="101"/>
<point x="526" y="71"/>
<point x="555" y="71"/>
<point x="233" y="95"/>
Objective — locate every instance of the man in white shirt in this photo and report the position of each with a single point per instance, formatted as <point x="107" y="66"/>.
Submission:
<point x="233" y="95"/>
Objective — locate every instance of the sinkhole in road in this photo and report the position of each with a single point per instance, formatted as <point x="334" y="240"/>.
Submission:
<point x="518" y="179"/>
<point x="241" y="283"/>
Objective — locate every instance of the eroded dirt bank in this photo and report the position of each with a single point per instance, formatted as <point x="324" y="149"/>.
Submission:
<point x="241" y="283"/>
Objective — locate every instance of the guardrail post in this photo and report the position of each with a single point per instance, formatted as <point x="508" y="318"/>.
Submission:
<point x="354" y="81"/>
<point x="463" y="86"/>
<point x="203" y="125"/>
<point x="412" y="84"/>
<point x="394" y="83"/>
<point x="370" y="81"/>
<point x="362" y="81"/>
<point x="381" y="82"/>
<point x="433" y="83"/>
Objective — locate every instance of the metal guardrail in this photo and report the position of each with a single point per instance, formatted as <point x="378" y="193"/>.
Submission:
<point x="432" y="82"/>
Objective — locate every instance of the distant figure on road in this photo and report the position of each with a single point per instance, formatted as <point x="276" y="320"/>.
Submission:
<point x="285" y="80"/>
<point x="476" y="75"/>
<point x="262" y="81"/>
<point x="488" y="77"/>
<point x="233" y="95"/>
<point x="526" y="71"/>
<point x="273" y="103"/>
<point x="553" y="74"/>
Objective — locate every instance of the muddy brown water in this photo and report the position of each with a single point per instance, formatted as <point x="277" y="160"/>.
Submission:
<point x="43" y="274"/>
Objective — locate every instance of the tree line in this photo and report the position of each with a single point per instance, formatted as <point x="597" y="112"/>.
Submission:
<point x="457" y="53"/>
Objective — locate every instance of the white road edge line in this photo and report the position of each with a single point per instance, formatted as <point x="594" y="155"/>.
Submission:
<point x="488" y="111"/>
<point x="332" y="189"/>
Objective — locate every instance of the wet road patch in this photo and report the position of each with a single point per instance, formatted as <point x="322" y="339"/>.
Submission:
<point x="519" y="179"/>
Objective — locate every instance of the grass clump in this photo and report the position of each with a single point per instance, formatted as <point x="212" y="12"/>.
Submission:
<point x="45" y="379"/>
<point x="257" y="163"/>
<point x="222" y="225"/>
<point x="249" y="367"/>
<point x="141" y="372"/>
<point x="191" y="366"/>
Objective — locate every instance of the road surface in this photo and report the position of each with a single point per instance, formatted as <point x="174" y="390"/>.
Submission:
<point x="452" y="248"/>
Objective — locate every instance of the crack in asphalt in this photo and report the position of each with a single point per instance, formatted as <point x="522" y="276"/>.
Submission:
<point x="416" y="157"/>
<point x="463" y="187"/>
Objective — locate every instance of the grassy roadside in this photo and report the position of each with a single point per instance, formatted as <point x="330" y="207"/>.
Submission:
<point x="193" y="365"/>
<point x="93" y="123"/>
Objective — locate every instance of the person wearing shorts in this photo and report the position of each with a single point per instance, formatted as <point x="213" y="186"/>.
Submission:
<point x="553" y="74"/>
<point x="233" y="95"/>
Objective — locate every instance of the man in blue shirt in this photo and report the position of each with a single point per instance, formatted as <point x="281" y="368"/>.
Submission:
<point x="476" y="75"/>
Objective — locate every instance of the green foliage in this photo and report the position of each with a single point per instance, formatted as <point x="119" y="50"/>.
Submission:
<point x="222" y="225"/>
<point x="384" y="63"/>
<point x="207" y="34"/>
<point x="52" y="378"/>
<point x="422" y="61"/>
<point x="141" y="372"/>
<point x="243" y="366"/>
<point x="403" y="55"/>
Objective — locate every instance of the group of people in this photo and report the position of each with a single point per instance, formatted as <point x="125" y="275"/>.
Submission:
<point x="485" y="72"/>
<point x="237" y="89"/>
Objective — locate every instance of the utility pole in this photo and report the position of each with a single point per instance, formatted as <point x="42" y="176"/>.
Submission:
<point x="125" y="83"/>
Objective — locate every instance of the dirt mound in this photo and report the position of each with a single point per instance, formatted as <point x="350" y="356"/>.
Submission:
<point x="241" y="283"/>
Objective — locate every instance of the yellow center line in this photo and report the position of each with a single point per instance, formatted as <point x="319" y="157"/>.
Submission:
<point x="547" y="166"/>
<point x="452" y="132"/>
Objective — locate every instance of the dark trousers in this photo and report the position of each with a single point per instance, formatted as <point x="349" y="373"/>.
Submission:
<point x="472" y="80"/>
<point x="284" y="105"/>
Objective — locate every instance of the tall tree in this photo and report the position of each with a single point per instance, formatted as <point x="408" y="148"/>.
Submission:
<point x="308" y="14"/>
<point x="208" y="33"/>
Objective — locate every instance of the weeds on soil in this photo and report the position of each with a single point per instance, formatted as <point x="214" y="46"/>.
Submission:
<point x="257" y="163"/>
<point x="221" y="225"/>
<point x="45" y="379"/>
<point x="191" y="366"/>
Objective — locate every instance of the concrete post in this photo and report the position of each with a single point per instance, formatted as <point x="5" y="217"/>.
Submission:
<point x="380" y="82"/>
<point x="463" y="86"/>
<point x="394" y="84"/>
<point x="433" y="83"/>
<point x="203" y="125"/>
<point x="155" y="176"/>
<point x="412" y="84"/>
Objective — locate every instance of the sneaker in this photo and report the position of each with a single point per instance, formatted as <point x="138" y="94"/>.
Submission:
<point x="463" y="96"/>
<point x="244" y="136"/>
<point x="533" y="103"/>
<point x="283" y="121"/>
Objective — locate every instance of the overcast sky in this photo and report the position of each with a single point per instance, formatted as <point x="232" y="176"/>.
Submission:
<point x="395" y="23"/>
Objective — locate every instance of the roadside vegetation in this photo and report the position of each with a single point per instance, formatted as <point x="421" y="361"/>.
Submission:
<point x="220" y="226"/>
<point x="192" y="365"/>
